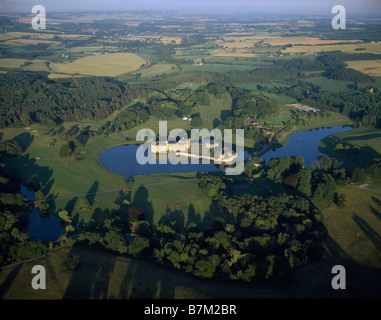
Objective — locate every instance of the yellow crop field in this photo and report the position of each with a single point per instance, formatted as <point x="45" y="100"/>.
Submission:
<point x="109" y="65"/>
<point x="62" y="75"/>
<point x="370" y="67"/>
<point x="248" y="41"/>
<point x="233" y="53"/>
<point x="350" y="48"/>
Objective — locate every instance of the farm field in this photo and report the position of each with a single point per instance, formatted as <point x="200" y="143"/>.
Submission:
<point x="12" y="63"/>
<point x="156" y="69"/>
<point x="112" y="64"/>
<point x="370" y="67"/>
<point x="349" y="48"/>
<point x="248" y="41"/>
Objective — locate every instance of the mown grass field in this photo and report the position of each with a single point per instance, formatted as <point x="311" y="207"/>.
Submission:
<point x="219" y="107"/>
<point x="331" y="85"/>
<point x="355" y="231"/>
<point x="110" y="65"/>
<point x="369" y="139"/>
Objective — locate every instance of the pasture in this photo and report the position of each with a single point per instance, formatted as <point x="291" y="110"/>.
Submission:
<point x="110" y="65"/>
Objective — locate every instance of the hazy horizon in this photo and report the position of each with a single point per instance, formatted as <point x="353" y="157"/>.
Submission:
<point x="270" y="7"/>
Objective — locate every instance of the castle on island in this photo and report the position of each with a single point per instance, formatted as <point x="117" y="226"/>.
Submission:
<point x="183" y="146"/>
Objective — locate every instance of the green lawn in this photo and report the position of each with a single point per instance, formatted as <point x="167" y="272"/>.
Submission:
<point x="355" y="231"/>
<point x="369" y="139"/>
<point x="331" y="85"/>
<point x="218" y="107"/>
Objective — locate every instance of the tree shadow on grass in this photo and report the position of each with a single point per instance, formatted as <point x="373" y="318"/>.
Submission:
<point x="214" y="212"/>
<point x="99" y="216"/>
<point x="25" y="170"/>
<point x="4" y="287"/>
<point x="141" y="200"/>
<point x="48" y="186"/>
<point x="70" y="205"/>
<point x="377" y="201"/>
<point x="91" y="280"/>
<point x="315" y="278"/>
<point x="369" y="231"/>
<point x="193" y="216"/>
<point x="90" y="196"/>
<point x="175" y="217"/>
<point x="376" y="212"/>
<point x="24" y="140"/>
<point x="137" y="284"/>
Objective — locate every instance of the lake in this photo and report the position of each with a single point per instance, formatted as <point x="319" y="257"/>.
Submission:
<point x="122" y="159"/>
<point x="304" y="143"/>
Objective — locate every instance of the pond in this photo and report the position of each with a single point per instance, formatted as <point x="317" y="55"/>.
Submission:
<point x="43" y="228"/>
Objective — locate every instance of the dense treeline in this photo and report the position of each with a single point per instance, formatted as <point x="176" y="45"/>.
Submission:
<point x="175" y="103"/>
<point x="335" y="59"/>
<point x="29" y="97"/>
<point x="334" y="64"/>
<point x="348" y="74"/>
<point x="361" y="106"/>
